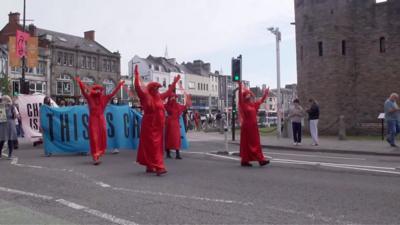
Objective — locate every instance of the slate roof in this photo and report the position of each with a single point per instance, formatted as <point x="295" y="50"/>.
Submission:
<point x="71" y="41"/>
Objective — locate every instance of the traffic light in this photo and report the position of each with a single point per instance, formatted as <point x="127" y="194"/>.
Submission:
<point x="237" y="69"/>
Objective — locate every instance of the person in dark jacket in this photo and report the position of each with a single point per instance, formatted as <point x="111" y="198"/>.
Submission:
<point x="313" y="117"/>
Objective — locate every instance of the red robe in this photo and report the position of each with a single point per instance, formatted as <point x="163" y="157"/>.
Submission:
<point x="250" y="147"/>
<point x="172" y="130"/>
<point x="97" y="103"/>
<point x="150" y="151"/>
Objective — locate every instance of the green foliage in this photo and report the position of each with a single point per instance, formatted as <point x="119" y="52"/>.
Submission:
<point x="5" y="86"/>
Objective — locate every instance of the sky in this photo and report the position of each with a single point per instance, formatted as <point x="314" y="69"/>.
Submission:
<point x="211" y="30"/>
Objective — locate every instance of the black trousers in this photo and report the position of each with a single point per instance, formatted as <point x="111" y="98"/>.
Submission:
<point x="296" y="132"/>
<point x="10" y="147"/>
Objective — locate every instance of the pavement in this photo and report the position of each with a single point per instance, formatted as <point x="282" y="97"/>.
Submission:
<point x="326" y="144"/>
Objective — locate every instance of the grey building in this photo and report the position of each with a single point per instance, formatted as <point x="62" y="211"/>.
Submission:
<point x="72" y="56"/>
<point x="347" y="59"/>
<point x="62" y="57"/>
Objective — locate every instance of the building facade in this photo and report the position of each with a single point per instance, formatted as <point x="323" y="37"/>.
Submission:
<point x="347" y="59"/>
<point x="62" y="58"/>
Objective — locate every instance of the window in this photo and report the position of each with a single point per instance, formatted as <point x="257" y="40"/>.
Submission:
<point x="192" y="85"/>
<point x="59" y="58"/>
<point x="104" y="65"/>
<point x="94" y="65"/>
<point x="207" y="87"/>
<point x="382" y="45"/>
<point x="109" y="85"/>
<point x="64" y="85"/>
<point x="271" y="107"/>
<point x="41" y="68"/>
<point x="39" y="87"/>
<point x="71" y="60"/>
<point x="198" y="86"/>
<point x="343" y="47"/>
<point x="301" y="53"/>
<point x="83" y="61"/>
<point x="89" y="61"/>
<point x="320" y="49"/>
<point x="65" y="59"/>
<point x="108" y="65"/>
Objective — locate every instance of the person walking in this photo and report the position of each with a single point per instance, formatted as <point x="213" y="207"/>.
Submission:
<point x="8" y="130"/>
<point x="115" y="101"/>
<point x="150" y="151"/>
<point x="250" y="146"/>
<point x="391" y="110"/>
<point x="296" y="115"/>
<point x="313" y="117"/>
<point x="172" y="128"/>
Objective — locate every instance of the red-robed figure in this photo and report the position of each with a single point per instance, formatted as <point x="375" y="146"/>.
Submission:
<point x="150" y="152"/>
<point x="250" y="147"/>
<point x="172" y="129"/>
<point x="97" y="103"/>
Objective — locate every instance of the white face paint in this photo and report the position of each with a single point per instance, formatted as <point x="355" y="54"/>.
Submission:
<point x="115" y="101"/>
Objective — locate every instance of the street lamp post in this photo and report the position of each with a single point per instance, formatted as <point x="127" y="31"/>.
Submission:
<point x="277" y="34"/>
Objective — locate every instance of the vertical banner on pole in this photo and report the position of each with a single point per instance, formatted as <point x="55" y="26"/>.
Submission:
<point x="32" y="52"/>
<point x="21" y="43"/>
<point x="13" y="59"/>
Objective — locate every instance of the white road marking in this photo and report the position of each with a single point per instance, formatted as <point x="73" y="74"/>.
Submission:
<point x="343" y="166"/>
<point x="103" y="184"/>
<point x="184" y="196"/>
<point x="314" y="156"/>
<point x="72" y="205"/>
<point x="14" y="191"/>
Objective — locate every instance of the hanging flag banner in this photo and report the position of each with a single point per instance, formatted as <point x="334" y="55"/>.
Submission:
<point x="32" y="52"/>
<point x="13" y="59"/>
<point x="21" y="43"/>
<point x="66" y="129"/>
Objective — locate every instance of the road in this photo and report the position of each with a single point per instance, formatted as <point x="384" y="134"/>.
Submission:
<point x="203" y="188"/>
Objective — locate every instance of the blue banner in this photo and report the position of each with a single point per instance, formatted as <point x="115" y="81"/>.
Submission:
<point x="65" y="129"/>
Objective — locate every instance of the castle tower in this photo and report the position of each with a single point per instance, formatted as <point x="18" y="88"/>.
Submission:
<point x="347" y="53"/>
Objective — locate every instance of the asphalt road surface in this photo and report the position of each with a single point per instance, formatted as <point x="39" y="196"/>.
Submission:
<point x="203" y="188"/>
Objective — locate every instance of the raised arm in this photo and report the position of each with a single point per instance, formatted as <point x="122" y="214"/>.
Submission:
<point x="265" y="95"/>
<point x="188" y="103"/>
<point x="138" y="88"/>
<point x="108" y="97"/>
<point x="170" y="88"/>
<point x="83" y="87"/>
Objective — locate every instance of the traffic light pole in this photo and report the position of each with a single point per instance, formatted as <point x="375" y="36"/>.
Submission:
<point x="233" y="114"/>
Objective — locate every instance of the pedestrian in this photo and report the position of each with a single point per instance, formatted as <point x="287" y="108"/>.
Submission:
<point x="115" y="101"/>
<point x="391" y="110"/>
<point x="47" y="102"/>
<point x="196" y="118"/>
<point x="62" y="103"/>
<point x="296" y="115"/>
<point x="313" y="117"/>
<point x="8" y="130"/>
<point x="97" y="102"/>
<point x="18" y="123"/>
<point x="250" y="147"/>
<point x="172" y="128"/>
<point x="150" y="151"/>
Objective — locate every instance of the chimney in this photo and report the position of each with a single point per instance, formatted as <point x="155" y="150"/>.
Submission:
<point x="32" y="30"/>
<point x="13" y="18"/>
<point x="89" y="35"/>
